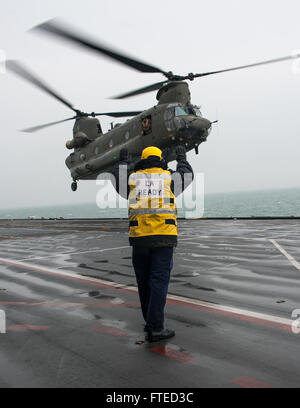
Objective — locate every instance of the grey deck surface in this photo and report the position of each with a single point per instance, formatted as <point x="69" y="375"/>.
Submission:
<point x="65" y="332"/>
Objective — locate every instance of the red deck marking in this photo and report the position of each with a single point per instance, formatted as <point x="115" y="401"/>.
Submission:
<point x="248" y="382"/>
<point x="107" y="304"/>
<point x="266" y="320"/>
<point x="173" y="354"/>
<point x="27" y="327"/>
<point x="67" y="276"/>
<point x="111" y="330"/>
<point x="22" y="303"/>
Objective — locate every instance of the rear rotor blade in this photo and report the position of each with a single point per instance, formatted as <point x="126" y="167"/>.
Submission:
<point x="146" y="89"/>
<point x="39" y="127"/>
<point x="52" y="27"/>
<point x="19" y="69"/>
<point x="119" y="114"/>
<point x="248" y="66"/>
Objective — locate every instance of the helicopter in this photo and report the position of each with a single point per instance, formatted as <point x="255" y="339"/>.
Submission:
<point x="173" y="121"/>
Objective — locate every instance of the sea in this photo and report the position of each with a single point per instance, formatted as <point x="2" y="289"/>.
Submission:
<point x="261" y="203"/>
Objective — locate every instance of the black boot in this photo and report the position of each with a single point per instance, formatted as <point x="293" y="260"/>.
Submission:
<point x="161" y="335"/>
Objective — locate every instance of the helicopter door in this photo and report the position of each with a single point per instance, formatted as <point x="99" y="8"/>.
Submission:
<point x="147" y="131"/>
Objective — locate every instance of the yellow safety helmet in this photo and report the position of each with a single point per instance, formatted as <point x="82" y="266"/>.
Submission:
<point x="151" y="151"/>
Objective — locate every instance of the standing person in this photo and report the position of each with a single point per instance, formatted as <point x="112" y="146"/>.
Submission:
<point x="153" y="229"/>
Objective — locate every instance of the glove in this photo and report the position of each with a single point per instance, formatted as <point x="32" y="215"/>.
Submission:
<point x="124" y="154"/>
<point x="180" y="153"/>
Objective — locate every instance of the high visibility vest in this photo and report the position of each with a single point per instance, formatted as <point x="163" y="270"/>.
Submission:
<point x="152" y="206"/>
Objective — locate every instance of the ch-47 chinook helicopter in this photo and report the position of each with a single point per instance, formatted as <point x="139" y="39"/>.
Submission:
<point x="173" y="121"/>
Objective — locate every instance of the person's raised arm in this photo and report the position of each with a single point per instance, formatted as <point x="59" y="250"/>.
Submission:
<point x="184" y="175"/>
<point x="121" y="174"/>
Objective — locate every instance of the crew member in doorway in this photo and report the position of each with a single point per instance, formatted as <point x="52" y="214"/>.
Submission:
<point x="151" y="190"/>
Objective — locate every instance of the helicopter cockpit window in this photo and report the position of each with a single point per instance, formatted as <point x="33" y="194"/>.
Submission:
<point x="168" y="118"/>
<point x="179" y="111"/>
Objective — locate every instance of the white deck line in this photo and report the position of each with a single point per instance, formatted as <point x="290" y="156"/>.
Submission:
<point x="72" y="253"/>
<point x="229" y="309"/>
<point x="283" y="251"/>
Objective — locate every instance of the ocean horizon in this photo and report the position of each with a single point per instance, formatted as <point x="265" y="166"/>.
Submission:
<point x="275" y="202"/>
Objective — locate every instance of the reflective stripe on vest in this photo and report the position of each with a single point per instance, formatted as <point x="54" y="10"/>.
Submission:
<point x="152" y="211"/>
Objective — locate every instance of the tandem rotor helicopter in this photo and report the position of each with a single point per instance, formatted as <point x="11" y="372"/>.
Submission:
<point x="173" y="121"/>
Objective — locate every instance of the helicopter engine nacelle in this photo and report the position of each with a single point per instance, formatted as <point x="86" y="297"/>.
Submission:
<point x="80" y="139"/>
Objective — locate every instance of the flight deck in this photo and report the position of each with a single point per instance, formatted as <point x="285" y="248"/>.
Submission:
<point x="73" y="317"/>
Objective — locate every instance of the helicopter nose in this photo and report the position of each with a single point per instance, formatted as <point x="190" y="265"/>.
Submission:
<point x="194" y="131"/>
<point x="202" y="123"/>
<point x="201" y="128"/>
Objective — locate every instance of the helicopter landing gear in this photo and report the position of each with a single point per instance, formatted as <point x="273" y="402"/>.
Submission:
<point x="74" y="186"/>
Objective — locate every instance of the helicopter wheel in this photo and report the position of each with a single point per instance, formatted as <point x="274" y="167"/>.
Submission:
<point x="74" y="186"/>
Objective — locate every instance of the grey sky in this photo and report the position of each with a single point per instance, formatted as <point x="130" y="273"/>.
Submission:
<point x="256" y="143"/>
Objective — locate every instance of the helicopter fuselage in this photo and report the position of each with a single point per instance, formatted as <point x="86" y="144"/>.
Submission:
<point x="165" y="126"/>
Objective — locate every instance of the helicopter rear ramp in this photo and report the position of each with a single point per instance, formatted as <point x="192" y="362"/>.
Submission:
<point x="73" y="317"/>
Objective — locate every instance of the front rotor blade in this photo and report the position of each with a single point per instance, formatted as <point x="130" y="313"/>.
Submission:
<point x="248" y="66"/>
<point x="54" y="28"/>
<point x="119" y="114"/>
<point x="146" y="89"/>
<point x="39" y="127"/>
<point x="19" y="69"/>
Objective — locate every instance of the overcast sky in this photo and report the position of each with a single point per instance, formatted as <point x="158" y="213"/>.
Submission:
<point x="257" y="141"/>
